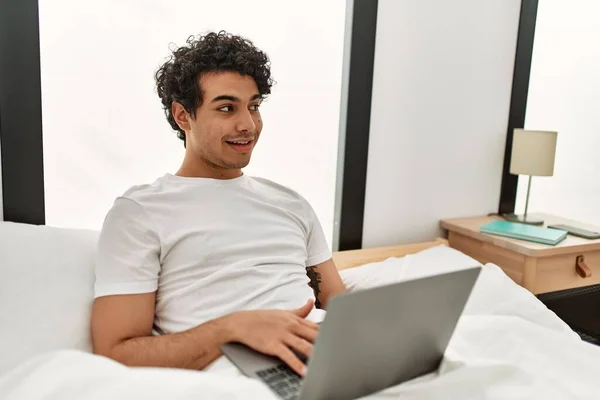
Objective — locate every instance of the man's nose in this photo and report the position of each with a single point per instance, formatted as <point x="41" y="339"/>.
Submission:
<point x="246" y="122"/>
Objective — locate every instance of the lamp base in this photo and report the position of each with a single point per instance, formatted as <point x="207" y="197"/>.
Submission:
<point x="523" y="219"/>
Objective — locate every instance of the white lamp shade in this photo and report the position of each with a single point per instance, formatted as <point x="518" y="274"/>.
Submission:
<point x="533" y="152"/>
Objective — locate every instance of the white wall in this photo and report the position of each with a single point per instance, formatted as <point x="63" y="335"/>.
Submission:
<point x="104" y="129"/>
<point x="564" y="95"/>
<point x="441" y="95"/>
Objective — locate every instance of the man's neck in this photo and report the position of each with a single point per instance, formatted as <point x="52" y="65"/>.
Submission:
<point x="200" y="169"/>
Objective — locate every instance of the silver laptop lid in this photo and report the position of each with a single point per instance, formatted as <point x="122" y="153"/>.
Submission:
<point x="380" y="337"/>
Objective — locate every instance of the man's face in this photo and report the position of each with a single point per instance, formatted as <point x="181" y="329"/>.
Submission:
<point x="227" y="124"/>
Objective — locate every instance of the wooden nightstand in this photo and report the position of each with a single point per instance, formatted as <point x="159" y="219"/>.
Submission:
<point x="537" y="267"/>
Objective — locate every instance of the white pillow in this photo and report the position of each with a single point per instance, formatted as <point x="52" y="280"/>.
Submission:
<point x="494" y="292"/>
<point x="434" y="260"/>
<point x="46" y="290"/>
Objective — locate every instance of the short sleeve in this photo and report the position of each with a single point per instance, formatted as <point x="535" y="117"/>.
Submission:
<point x="127" y="257"/>
<point x="318" y="248"/>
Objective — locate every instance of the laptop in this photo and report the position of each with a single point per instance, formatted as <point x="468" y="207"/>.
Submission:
<point x="370" y="340"/>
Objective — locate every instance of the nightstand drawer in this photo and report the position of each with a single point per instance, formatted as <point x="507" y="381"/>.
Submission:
<point x="559" y="272"/>
<point x="512" y="263"/>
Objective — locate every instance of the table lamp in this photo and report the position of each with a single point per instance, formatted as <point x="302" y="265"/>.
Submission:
<point x="533" y="154"/>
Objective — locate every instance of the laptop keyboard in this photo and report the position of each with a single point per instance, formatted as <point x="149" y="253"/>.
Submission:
<point x="282" y="380"/>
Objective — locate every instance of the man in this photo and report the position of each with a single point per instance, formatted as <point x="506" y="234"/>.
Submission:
<point x="210" y="255"/>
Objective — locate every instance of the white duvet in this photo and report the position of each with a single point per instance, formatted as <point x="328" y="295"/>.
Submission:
<point x="507" y="345"/>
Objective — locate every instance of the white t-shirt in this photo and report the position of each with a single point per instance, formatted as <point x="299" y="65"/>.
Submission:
<point x="209" y="247"/>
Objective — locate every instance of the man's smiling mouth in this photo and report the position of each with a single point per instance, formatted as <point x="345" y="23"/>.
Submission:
<point x="242" y="142"/>
<point x="241" y="145"/>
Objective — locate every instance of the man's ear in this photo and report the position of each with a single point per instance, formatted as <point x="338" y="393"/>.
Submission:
<point x="181" y="117"/>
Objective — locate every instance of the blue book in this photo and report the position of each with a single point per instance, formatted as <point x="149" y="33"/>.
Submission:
<point x="530" y="233"/>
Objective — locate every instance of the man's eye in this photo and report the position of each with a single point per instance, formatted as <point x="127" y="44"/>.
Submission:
<point x="226" y="108"/>
<point x="255" y="107"/>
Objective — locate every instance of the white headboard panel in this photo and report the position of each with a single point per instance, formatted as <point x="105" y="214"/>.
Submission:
<point x="441" y="95"/>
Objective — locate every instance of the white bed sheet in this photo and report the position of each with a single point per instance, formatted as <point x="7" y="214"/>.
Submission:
<point x="507" y="345"/>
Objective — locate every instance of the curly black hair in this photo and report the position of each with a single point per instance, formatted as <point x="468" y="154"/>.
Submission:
<point x="178" y="78"/>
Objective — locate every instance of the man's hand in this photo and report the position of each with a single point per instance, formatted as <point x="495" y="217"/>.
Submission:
<point x="274" y="332"/>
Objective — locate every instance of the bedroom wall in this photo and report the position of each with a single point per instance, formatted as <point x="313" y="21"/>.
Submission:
<point x="441" y="94"/>
<point x="564" y="95"/>
<point x="92" y="157"/>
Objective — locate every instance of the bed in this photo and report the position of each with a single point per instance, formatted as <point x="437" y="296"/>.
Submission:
<point x="355" y="258"/>
<point x="507" y="344"/>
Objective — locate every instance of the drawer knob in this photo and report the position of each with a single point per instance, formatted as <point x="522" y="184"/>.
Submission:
<point x="582" y="269"/>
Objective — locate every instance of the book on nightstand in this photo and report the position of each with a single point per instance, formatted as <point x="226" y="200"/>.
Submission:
<point x="530" y="233"/>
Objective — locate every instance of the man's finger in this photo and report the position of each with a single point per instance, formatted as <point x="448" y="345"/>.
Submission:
<point x="310" y="324"/>
<point x="302" y="346"/>
<point x="288" y="357"/>
<point x="307" y="332"/>
<point x="303" y="311"/>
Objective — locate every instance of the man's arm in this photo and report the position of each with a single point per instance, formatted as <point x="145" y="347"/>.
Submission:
<point x="326" y="282"/>
<point x="122" y="330"/>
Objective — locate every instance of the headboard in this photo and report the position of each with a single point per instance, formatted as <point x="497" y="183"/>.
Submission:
<point x="353" y="258"/>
